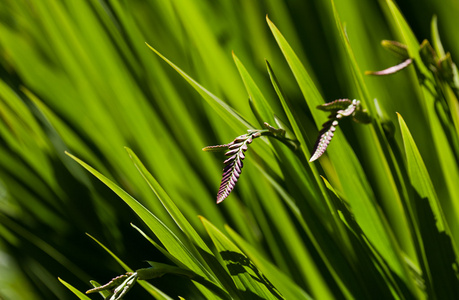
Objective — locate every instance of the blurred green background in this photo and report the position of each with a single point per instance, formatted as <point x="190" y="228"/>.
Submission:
<point x="77" y="76"/>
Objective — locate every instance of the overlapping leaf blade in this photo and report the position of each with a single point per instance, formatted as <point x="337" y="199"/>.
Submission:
<point x="383" y="165"/>
<point x="173" y="243"/>
<point x="247" y="278"/>
<point x="79" y="294"/>
<point x="357" y="190"/>
<point x="282" y="283"/>
<point x="167" y="202"/>
<point x="427" y="100"/>
<point x="431" y="223"/>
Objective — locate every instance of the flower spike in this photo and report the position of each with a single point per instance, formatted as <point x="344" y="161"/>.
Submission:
<point x="399" y="50"/>
<point x="117" y="287"/>
<point x="235" y="151"/>
<point x="393" y="69"/>
<point x="233" y="168"/>
<point x="325" y="136"/>
<point x="338" y="109"/>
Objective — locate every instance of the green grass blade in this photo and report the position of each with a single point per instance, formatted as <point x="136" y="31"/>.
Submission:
<point x="173" y="243"/>
<point x="447" y="161"/>
<point x="363" y="258"/>
<point x="438" y="248"/>
<point x="176" y="214"/>
<point x="69" y="137"/>
<point x="438" y="46"/>
<point x="320" y="238"/>
<point x="118" y="260"/>
<point x="311" y="93"/>
<point x="294" y="173"/>
<point x="356" y="188"/>
<point x="42" y="245"/>
<point x="339" y="148"/>
<point x="260" y="104"/>
<point x="281" y="224"/>
<point x="408" y="36"/>
<point x="79" y="294"/>
<point x="284" y="284"/>
<point x="390" y="185"/>
<point x="419" y="175"/>
<point x="233" y="118"/>
<point x="159" y="247"/>
<point x="222" y="274"/>
<point x="224" y="111"/>
<point x="246" y="277"/>
<point x="431" y="220"/>
<point x="167" y="202"/>
<point x="154" y="291"/>
<point x="300" y="136"/>
<point x="146" y="285"/>
<point x="291" y="166"/>
<point x="290" y="114"/>
<point x="448" y="93"/>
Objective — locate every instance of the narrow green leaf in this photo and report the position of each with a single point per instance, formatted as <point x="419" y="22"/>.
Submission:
<point x="291" y="117"/>
<point x="448" y="93"/>
<point x="171" y="241"/>
<point x="310" y="92"/>
<point x="319" y="238"/>
<point x="79" y="294"/>
<point x="118" y="260"/>
<point x="233" y="118"/>
<point x="382" y="165"/>
<point x="430" y="220"/>
<point x="299" y="253"/>
<point x="419" y="175"/>
<point x="167" y="202"/>
<point x="71" y="139"/>
<point x="436" y="37"/>
<point x="441" y="276"/>
<point x="259" y="102"/>
<point x="356" y="188"/>
<point x="291" y="166"/>
<point x="154" y="291"/>
<point x="427" y="99"/>
<point x="295" y="248"/>
<point x="246" y="276"/>
<point x="211" y="260"/>
<point x="157" y="270"/>
<point x="282" y="283"/>
<point x="365" y="261"/>
<point x="382" y="155"/>
<point x="104" y="293"/>
<point x="158" y="294"/>
<point x="409" y="39"/>
<point x="159" y="247"/>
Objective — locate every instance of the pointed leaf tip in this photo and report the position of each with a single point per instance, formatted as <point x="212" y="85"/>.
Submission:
<point x="269" y="20"/>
